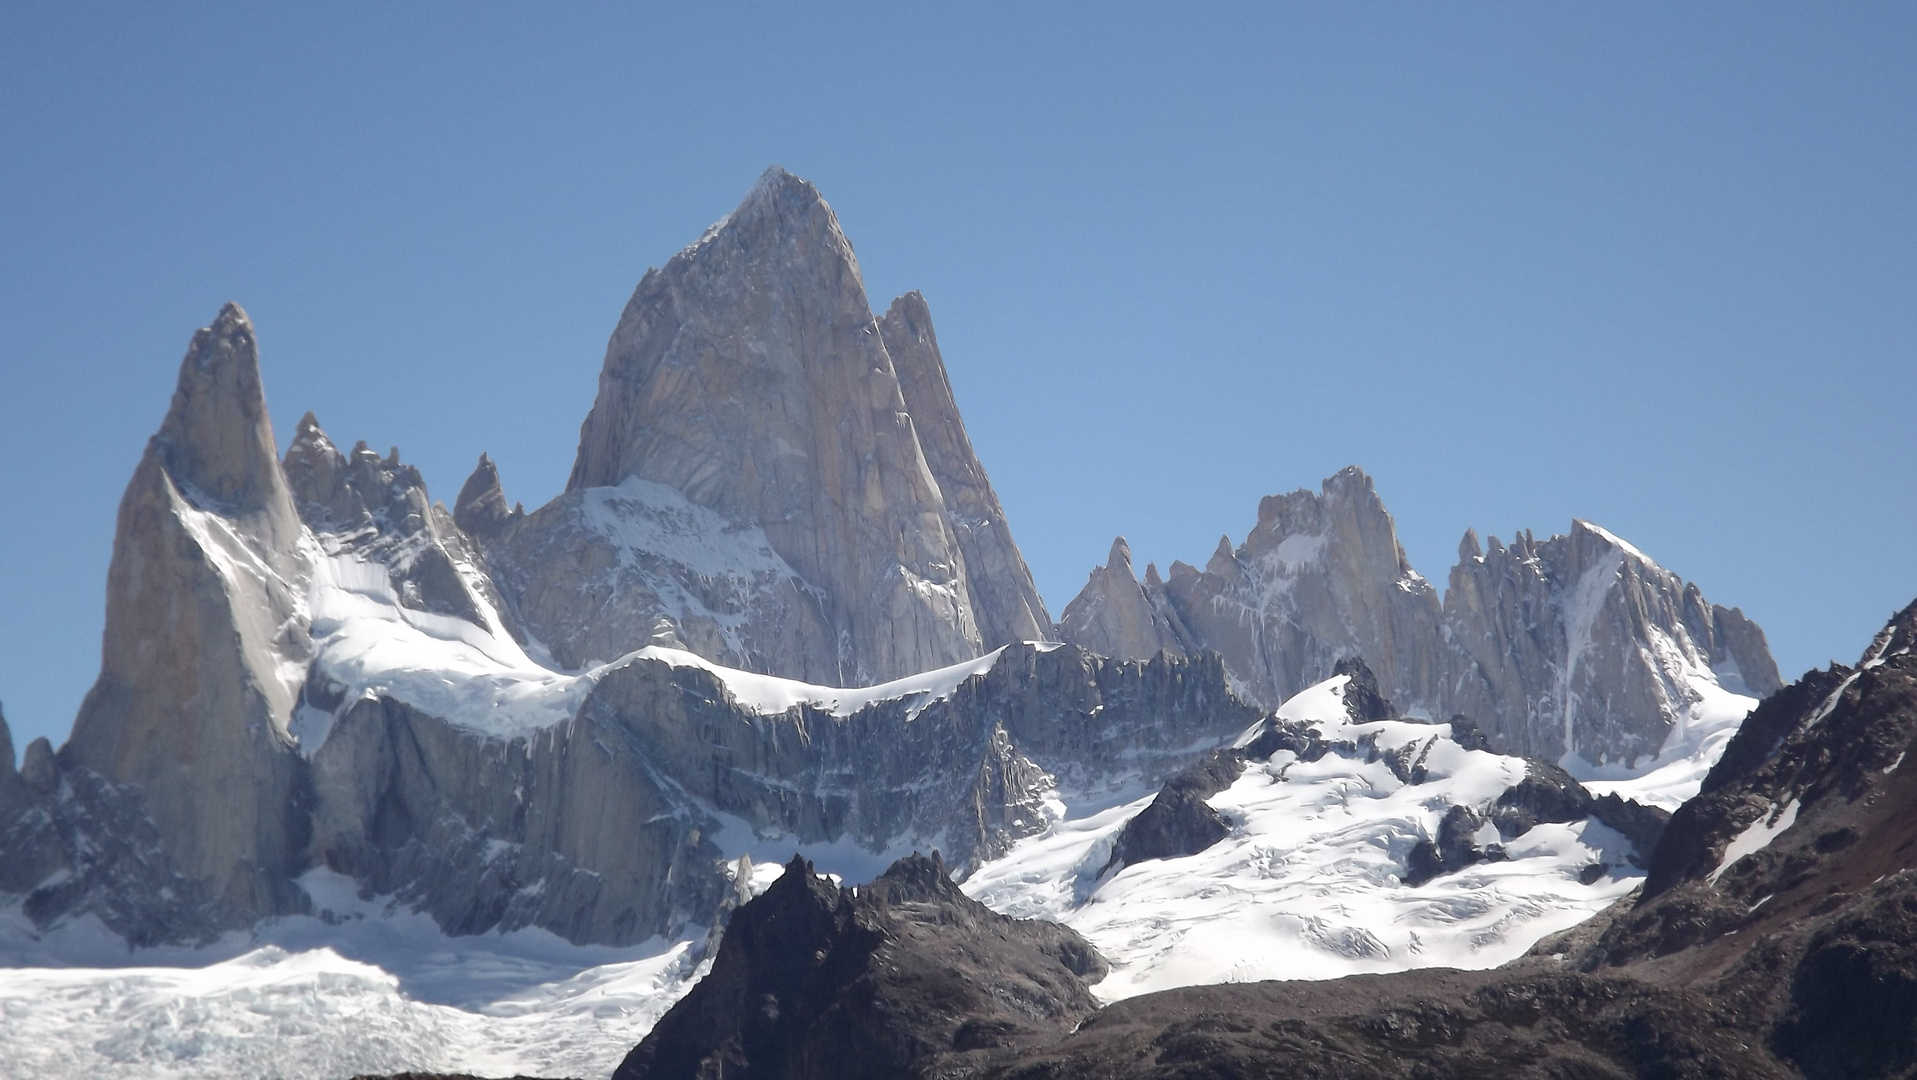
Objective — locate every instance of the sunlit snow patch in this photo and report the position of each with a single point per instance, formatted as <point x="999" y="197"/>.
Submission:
<point x="366" y="989"/>
<point x="1308" y="885"/>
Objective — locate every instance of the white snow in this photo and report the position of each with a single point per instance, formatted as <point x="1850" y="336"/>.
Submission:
<point x="474" y="676"/>
<point x="1756" y="837"/>
<point x="368" y="989"/>
<point x="769" y="695"/>
<point x="1704" y="728"/>
<point x="478" y="677"/>
<point x="1581" y="607"/>
<point x="643" y="517"/>
<point x="665" y="540"/>
<point x="1616" y="541"/>
<point x="1307" y="884"/>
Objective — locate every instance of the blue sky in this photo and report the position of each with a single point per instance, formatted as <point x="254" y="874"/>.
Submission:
<point x="1652" y="265"/>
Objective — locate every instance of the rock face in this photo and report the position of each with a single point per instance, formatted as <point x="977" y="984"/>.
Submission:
<point x="1582" y="644"/>
<point x="1578" y="644"/>
<point x="481" y="508"/>
<point x="205" y="646"/>
<point x="1006" y="604"/>
<point x="1319" y="579"/>
<point x="815" y="981"/>
<point x="309" y="663"/>
<point x="749" y="378"/>
<point x="376" y="510"/>
<point x="598" y="572"/>
<point x="491" y="833"/>
<point x="1115" y="616"/>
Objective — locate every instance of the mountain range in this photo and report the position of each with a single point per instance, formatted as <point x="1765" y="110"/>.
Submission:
<point x="779" y="608"/>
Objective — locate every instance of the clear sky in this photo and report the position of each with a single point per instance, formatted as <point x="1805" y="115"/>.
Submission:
<point x="1651" y="265"/>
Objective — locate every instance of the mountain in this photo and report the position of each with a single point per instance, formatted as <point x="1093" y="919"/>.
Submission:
<point x="779" y="609"/>
<point x="1576" y="647"/>
<point x="204" y="648"/>
<point x="817" y="981"/>
<point x="771" y="476"/>
<point x="308" y="666"/>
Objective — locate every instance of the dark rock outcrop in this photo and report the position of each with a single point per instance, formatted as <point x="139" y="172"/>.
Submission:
<point x="813" y="981"/>
<point x="1809" y="806"/>
<point x="1431" y="1025"/>
<point x="1178" y="821"/>
<point x="1642" y="825"/>
<point x="481" y="508"/>
<point x="1546" y="794"/>
<point x="1452" y="849"/>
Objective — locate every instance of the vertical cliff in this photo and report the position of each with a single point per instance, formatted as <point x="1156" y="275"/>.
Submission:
<point x="750" y="375"/>
<point x="205" y="644"/>
<point x="1007" y="606"/>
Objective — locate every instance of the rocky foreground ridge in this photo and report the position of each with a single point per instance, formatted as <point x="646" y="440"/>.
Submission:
<point x="578" y="718"/>
<point x="1776" y="937"/>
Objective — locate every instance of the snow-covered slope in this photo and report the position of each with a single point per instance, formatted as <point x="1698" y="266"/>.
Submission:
<point x="476" y="677"/>
<point x="364" y="987"/>
<point x="1310" y="882"/>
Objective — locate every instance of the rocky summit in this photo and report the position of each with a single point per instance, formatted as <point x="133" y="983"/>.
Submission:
<point x="816" y="982"/>
<point x="750" y="377"/>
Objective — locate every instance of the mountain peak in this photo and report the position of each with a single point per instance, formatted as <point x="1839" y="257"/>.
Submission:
<point x="774" y="181"/>
<point x="216" y="438"/>
<point x="749" y="375"/>
<point x="1591" y="531"/>
<point x="1468" y="547"/>
<point x="481" y="507"/>
<point x="778" y="208"/>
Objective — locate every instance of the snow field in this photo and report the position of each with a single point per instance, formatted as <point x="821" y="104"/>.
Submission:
<point x="1307" y="884"/>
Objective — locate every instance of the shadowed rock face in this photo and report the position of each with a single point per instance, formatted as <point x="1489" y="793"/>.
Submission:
<point x="750" y="376"/>
<point x="1577" y="643"/>
<point x="481" y="507"/>
<point x="815" y="981"/>
<point x="201" y="659"/>
<point x="499" y="834"/>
